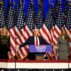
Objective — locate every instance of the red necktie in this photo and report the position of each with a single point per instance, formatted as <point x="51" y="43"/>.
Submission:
<point x="36" y="41"/>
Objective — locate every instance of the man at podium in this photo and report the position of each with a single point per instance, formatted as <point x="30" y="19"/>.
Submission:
<point x="34" y="40"/>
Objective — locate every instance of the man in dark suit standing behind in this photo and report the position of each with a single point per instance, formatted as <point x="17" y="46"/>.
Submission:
<point x="34" y="40"/>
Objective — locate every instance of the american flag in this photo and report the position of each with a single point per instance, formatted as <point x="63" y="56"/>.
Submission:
<point x="22" y="33"/>
<point x="51" y="25"/>
<point x="10" y="25"/>
<point x="20" y="26"/>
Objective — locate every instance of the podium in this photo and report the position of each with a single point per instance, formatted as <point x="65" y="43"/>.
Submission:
<point x="40" y="50"/>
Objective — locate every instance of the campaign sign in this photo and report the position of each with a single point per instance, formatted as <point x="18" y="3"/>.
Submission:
<point x="40" y="48"/>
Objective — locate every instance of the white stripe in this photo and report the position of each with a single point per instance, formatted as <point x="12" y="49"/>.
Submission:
<point x="47" y="31"/>
<point x="54" y="40"/>
<point x="30" y="33"/>
<point x="7" y="65"/>
<point x="36" y="40"/>
<point x="20" y="54"/>
<point x="13" y="44"/>
<point x="17" y="31"/>
<point x="22" y="39"/>
<point x="12" y="41"/>
<point x="56" y="34"/>
<point x="13" y="53"/>
<point x="70" y="65"/>
<point x="27" y="46"/>
<point x="20" y="35"/>
<point x="9" y="56"/>
<point x="12" y="31"/>
<point x="56" y="27"/>
<point x="24" y="51"/>
<point x="44" y="35"/>
<point x="42" y="65"/>
<point x="24" y="33"/>
<point x="18" y="41"/>
<point x="52" y="34"/>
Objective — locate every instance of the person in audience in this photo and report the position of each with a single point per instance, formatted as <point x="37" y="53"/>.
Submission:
<point x="36" y="39"/>
<point x="4" y="43"/>
<point x="63" y="45"/>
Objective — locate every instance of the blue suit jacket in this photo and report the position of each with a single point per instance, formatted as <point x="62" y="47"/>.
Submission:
<point x="30" y="41"/>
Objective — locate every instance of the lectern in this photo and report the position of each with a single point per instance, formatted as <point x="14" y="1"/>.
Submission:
<point x="40" y="50"/>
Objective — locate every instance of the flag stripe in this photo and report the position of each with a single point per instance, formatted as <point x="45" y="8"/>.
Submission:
<point x="44" y="35"/>
<point x="27" y="30"/>
<point x="18" y="34"/>
<point x="25" y="36"/>
<point x="47" y="34"/>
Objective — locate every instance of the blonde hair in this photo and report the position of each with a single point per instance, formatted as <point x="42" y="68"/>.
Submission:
<point x="4" y="31"/>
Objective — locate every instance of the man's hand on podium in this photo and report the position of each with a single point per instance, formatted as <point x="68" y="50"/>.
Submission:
<point x="55" y="47"/>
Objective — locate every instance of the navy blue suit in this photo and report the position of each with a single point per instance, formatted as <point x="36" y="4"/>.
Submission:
<point x="30" y="41"/>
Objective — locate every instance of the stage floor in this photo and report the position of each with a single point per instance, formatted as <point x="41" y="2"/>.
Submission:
<point x="35" y="64"/>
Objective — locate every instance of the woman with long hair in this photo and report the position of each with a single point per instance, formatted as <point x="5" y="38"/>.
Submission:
<point x="63" y="45"/>
<point x="4" y="43"/>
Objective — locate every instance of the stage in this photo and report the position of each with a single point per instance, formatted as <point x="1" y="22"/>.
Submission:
<point x="22" y="64"/>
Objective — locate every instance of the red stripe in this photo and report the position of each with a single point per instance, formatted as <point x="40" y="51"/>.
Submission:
<point x="46" y="33"/>
<point x="18" y="55"/>
<point x="12" y="37"/>
<point x="55" y="38"/>
<point x="26" y="31"/>
<point x="70" y="40"/>
<point x="52" y="35"/>
<point x="42" y="35"/>
<point x="57" y="31"/>
<point x="22" y="52"/>
<point x="70" y="31"/>
<point x="18" y="37"/>
<point x="11" y="55"/>
<point x="24" y="36"/>
<point x="53" y="42"/>
<point x="26" y="50"/>
<point x="14" y="49"/>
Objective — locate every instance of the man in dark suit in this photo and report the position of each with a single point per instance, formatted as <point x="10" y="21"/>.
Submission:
<point x="34" y="40"/>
